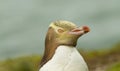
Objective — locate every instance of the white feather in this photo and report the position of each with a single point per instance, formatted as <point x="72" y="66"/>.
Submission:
<point x="66" y="58"/>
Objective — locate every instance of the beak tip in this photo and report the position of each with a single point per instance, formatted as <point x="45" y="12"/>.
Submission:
<point x="86" y="29"/>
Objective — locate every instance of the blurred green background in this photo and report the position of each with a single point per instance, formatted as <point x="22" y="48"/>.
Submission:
<point x="24" y="23"/>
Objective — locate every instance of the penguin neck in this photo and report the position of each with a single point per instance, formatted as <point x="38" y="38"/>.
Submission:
<point x="65" y="58"/>
<point x="50" y="47"/>
<point x="50" y="51"/>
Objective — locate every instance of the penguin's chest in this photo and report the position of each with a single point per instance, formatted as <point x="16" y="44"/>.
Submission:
<point x="65" y="59"/>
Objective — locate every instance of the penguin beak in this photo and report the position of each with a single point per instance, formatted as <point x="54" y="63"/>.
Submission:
<point x="80" y="31"/>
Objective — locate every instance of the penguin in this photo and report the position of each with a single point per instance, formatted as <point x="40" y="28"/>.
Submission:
<point x="60" y="52"/>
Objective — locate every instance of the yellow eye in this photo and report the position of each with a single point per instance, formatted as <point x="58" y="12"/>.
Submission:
<point x="60" y="30"/>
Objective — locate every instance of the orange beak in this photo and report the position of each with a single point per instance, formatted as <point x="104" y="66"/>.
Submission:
<point x="80" y="31"/>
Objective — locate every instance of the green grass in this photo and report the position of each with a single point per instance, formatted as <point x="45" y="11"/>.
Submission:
<point x="103" y="58"/>
<point x="114" y="67"/>
<point x="30" y="63"/>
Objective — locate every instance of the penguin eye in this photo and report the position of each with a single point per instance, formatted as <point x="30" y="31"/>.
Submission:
<point x="60" y="30"/>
